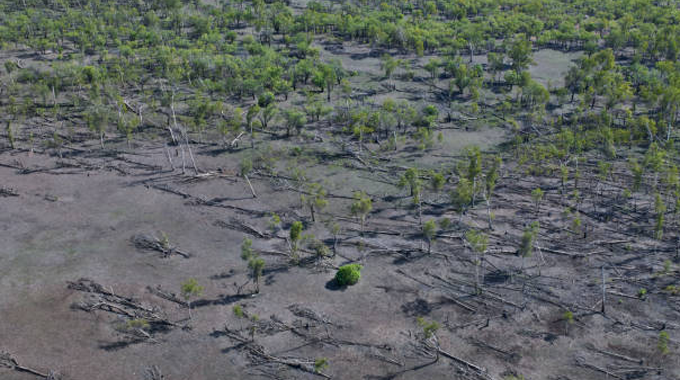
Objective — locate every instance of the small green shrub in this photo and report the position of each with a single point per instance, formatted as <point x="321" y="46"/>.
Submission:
<point x="348" y="274"/>
<point x="662" y="344"/>
<point x="320" y="364"/>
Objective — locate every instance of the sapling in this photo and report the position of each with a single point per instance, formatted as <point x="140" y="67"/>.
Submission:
<point x="320" y="364"/>
<point x="478" y="242"/>
<point x="429" y="233"/>
<point x="295" y="236"/>
<point x="361" y="207"/>
<point x="315" y="199"/>
<point x="537" y="196"/>
<point x="255" y="263"/>
<point x="662" y="343"/>
<point x="526" y="247"/>
<point x="191" y="289"/>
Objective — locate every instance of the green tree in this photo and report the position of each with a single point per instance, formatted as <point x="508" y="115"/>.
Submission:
<point x="662" y="343"/>
<point x="256" y="267"/>
<point x="432" y="67"/>
<point x="461" y="197"/>
<point x="295" y="235"/>
<point x="526" y="248"/>
<point x="660" y="210"/>
<point x="410" y="178"/>
<point x="389" y="64"/>
<point x="478" y="241"/>
<point x="295" y="119"/>
<point x="315" y="198"/>
<point x="429" y="233"/>
<point x="537" y="197"/>
<point x="255" y="263"/>
<point x="361" y="207"/>
<point x="474" y="168"/>
<point x="520" y="54"/>
<point x="490" y="180"/>
<point x="250" y="116"/>
<point x="191" y="289"/>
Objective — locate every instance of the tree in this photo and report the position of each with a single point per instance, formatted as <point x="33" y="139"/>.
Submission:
<point x="662" y="343"/>
<point x="295" y="235"/>
<point x="520" y="54"/>
<point x="429" y="233"/>
<point x="461" y="197"/>
<point x="537" y="196"/>
<point x="191" y="289"/>
<point x="268" y="114"/>
<point x="496" y="64"/>
<point x="256" y="266"/>
<point x="250" y="116"/>
<point x="437" y="181"/>
<point x="432" y="67"/>
<point x="490" y="184"/>
<point x="255" y="263"/>
<point x="660" y="210"/>
<point x="315" y="198"/>
<point x="348" y="274"/>
<point x="474" y="168"/>
<point x="325" y="77"/>
<point x="295" y="119"/>
<point x="478" y="241"/>
<point x="526" y="247"/>
<point x="389" y="64"/>
<point x="361" y="207"/>
<point x="411" y="179"/>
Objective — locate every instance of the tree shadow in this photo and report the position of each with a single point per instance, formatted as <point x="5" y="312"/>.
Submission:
<point x="417" y="307"/>
<point x="224" y="275"/>
<point x="333" y="286"/>
<point x="120" y="344"/>
<point x="221" y="300"/>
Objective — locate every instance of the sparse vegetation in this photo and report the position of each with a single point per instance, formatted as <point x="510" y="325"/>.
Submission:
<point x="532" y="145"/>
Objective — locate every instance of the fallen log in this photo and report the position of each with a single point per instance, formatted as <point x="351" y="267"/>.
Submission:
<point x="8" y="361"/>
<point x="142" y="241"/>
<point x="8" y="192"/>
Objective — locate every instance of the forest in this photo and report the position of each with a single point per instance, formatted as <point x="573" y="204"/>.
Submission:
<point x="353" y="189"/>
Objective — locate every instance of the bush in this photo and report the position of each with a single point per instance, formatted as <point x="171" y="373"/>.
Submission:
<point x="348" y="274"/>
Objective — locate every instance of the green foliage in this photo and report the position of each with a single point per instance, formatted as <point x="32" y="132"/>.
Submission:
<point x="191" y="289"/>
<point x="315" y="199"/>
<point x="537" y="196"/>
<point x="361" y="207"/>
<point x="429" y="328"/>
<point x="478" y="241"/>
<point x="659" y="209"/>
<point x="238" y="311"/>
<point x="642" y="293"/>
<point x="138" y="324"/>
<point x="429" y="232"/>
<point x="410" y="179"/>
<point x="246" y="166"/>
<point x="461" y="197"/>
<point x="296" y="234"/>
<point x="247" y="249"/>
<point x="526" y="247"/>
<point x="295" y="231"/>
<point x="662" y="343"/>
<point x="255" y="263"/>
<point x="437" y="181"/>
<point x="320" y="364"/>
<point x="348" y="274"/>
